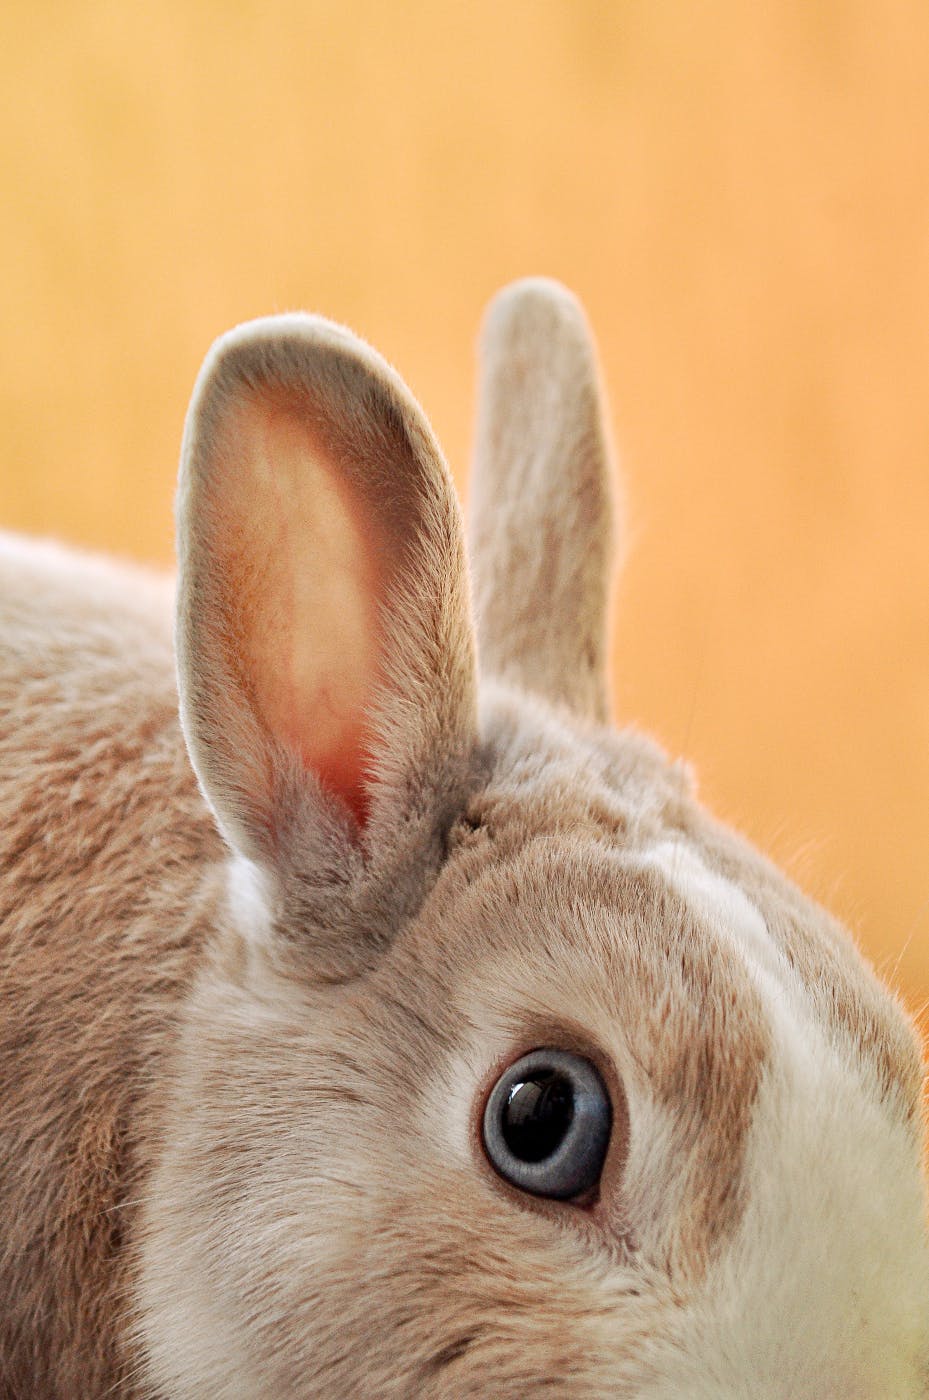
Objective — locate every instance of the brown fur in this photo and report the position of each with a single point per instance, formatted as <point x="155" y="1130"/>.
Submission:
<point x="102" y="907"/>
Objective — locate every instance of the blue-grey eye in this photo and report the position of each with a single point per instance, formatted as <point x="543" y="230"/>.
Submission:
<point x="547" y="1124"/>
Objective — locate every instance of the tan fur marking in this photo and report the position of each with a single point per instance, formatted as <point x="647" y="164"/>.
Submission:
<point x="846" y="992"/>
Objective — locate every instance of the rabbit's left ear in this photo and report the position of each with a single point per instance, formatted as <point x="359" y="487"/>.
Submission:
<point x="325" y="649"/>
<point x="541" y="500"/>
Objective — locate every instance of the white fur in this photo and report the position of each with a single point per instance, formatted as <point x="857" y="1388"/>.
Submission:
<point x="823" y="1256"/>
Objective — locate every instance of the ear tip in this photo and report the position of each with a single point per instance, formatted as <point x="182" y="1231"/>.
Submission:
<point x="270" y="346"/>
<point x="534" y="308"/>
<point x="298" y="360"/>
<point x="293" y="351"/>
<point x="538" y="287"/>
<point x="285" y="350"/>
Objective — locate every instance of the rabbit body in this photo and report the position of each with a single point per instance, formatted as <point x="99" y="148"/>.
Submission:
<point x="251" y="1018"/>
<point x="104" y="841"/>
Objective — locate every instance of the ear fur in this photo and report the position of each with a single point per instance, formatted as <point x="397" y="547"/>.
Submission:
<point x="541" y="500"/>
<point x="324" y="642"/>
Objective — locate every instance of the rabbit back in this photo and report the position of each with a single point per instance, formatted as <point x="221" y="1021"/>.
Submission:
<point x="102" y="835"/>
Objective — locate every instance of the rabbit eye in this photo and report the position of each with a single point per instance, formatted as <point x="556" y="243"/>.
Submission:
<point x="547" y="1124"/>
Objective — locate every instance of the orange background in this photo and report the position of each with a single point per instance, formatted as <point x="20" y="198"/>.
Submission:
<point x="739" y="193"/>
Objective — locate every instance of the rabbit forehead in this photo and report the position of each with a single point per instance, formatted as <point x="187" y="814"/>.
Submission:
<point x="620" y="788"/>
<point x="638" y="946"/>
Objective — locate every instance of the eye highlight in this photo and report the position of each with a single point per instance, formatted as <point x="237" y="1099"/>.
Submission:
<point x="547" y="1124"/>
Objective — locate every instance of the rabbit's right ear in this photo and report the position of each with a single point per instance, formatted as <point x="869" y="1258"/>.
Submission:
<point x="325" y="651"/>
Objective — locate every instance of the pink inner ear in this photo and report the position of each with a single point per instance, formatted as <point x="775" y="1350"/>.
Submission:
<point x="305" y="582"/>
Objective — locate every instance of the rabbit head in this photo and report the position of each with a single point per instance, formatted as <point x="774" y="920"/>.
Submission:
<point x="509" y="1071"/>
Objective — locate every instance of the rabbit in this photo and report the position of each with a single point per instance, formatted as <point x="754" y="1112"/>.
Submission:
<point x="392" y="1026"/>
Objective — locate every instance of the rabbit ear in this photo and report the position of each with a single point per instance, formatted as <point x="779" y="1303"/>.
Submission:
<point x="325" y="650"/>
<point x="541" y="500"/>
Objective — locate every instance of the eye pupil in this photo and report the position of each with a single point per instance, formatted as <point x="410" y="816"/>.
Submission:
<point x="538" y="1113"/>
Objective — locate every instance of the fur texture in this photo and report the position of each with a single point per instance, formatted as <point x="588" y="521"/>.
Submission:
<point x="241" y="1075"/>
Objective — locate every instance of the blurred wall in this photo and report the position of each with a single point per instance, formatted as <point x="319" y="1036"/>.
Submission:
<point x="740" y="194"/>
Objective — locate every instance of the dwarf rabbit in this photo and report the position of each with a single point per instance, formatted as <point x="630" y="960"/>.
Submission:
<point x="411" y="1032"/>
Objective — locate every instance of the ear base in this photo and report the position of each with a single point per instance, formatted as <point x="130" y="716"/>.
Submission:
<point x="542" y="500"/>
<point x="314" y="509"/>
